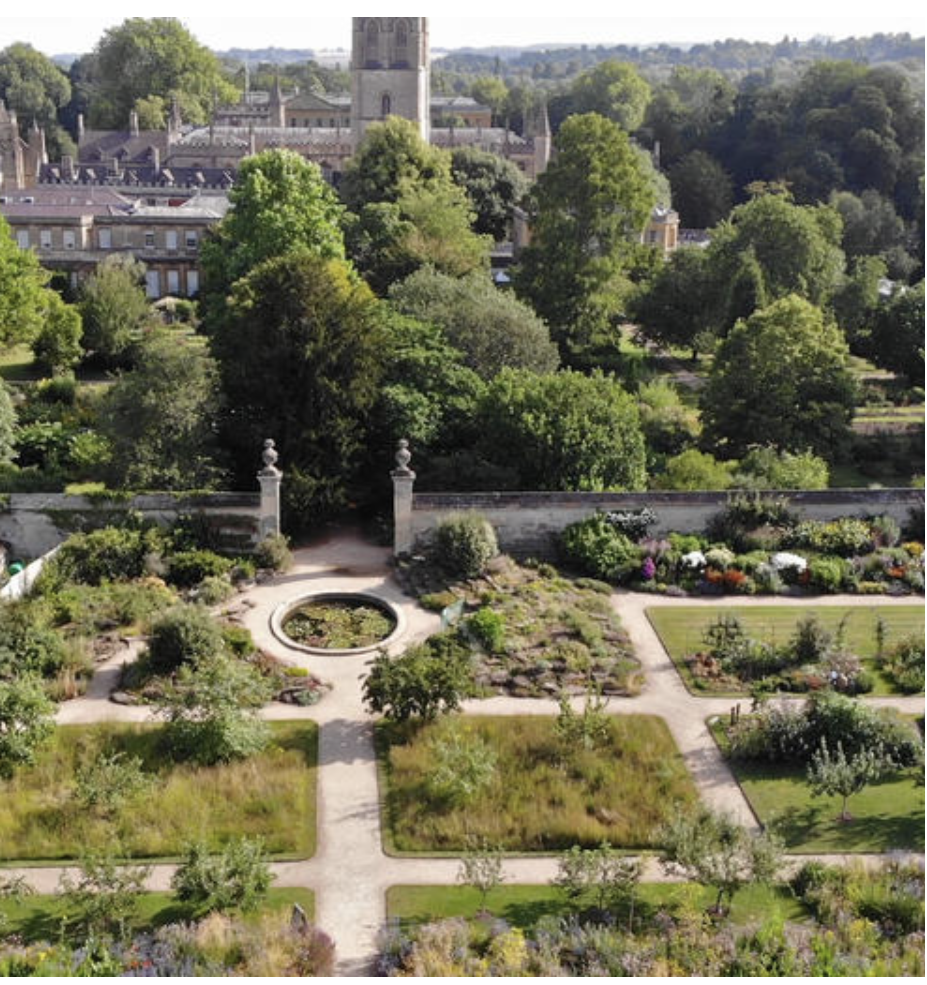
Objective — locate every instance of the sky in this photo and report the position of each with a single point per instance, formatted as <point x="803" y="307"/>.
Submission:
<point x="291" y="23"/>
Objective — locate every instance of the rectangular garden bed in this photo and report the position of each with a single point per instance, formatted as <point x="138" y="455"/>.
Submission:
<point x="681" y="628"/>
<point x="270" y="795"/>
<point x="538" y="799"/>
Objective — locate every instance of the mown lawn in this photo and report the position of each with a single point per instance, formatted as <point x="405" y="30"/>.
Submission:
<point x="680" y="628"/>
<point x="38" y="918"/>
<point x="522" y="906"/>
<point x="540" y="798"/>
<point x="271" y="795"/>
<point x="886" y="816"/>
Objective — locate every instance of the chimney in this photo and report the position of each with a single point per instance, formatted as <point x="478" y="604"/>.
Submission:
<point x="80" y="128"/>
<point x="67" y="167"/>
<point x="156" y="160"/>
<point x="133" y="123"/>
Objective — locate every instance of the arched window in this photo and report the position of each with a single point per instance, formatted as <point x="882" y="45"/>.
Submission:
<point x="372" y="44"/>
<point x="386" y="105"/>
<point x="402" y="34"/>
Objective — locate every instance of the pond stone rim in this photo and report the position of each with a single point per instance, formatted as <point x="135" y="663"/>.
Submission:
<point x="284" y="609"/>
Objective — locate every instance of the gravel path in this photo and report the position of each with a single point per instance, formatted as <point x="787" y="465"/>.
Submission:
<point x="350" y="871"/>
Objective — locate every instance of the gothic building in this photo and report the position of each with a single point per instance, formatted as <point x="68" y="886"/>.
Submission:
<point x="20" y="160"/>
<point x="390" y="76"/>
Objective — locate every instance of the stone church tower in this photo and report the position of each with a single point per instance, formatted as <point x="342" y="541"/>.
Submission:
<point x="389" y="72"/>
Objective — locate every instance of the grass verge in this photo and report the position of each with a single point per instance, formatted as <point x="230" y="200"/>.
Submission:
<point x="680" y="629"/>
<point x="39" y="917"/>
<point x="271" y="795"/>
<point x="541" y="798"/>
<point x="522" y="906"/>
<point x="887" y="816"/>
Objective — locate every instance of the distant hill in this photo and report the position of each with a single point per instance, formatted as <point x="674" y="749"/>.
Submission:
<point x="272" y="56"/>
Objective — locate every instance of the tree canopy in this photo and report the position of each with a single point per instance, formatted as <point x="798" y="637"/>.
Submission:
<point x="114" y="309"/>
<point x="23" y="297"/>
<point x="391" y="158"/>
<point x="591" y="205"/>
<point x="300" y="359"/>
<point x="491" y="328"/>
<point x="406" y="209"/>
<point x="153" y="58"/>
<point x="160" y="417"/>
<point x="780" y="378"/>
<point x="782" y="248"/>
<point x="34" y="86"/>
<point x="615" y="90"/>
<point x="494" y="186"/>
<point x="280" y="203"/>
<point x="563" y="431"/>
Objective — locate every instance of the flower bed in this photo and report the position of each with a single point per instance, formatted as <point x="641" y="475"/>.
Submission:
<point x="754" y="546"/>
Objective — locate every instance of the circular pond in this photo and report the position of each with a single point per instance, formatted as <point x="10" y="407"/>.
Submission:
<point x="337" y="623"/>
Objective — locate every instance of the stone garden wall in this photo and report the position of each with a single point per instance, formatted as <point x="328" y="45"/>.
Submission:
<point x="34" y="523"/>
<point x="527" y="522"/>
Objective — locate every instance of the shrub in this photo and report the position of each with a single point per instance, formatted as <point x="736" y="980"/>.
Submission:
<point x="273" y="552"/>
<point x="464" y="765"/>
<point x="210" y="711"/>
<point x="189" y="568"/>
<point x="781" y="734"/>
<point x="214" y="589"/>
<point x="597" y="548"/>
<point x="239" y="641"/>
<point x="634" y="524"/>
<point x="904" y="664"/>
<point x="108" y="554"/>
<point x="811" y="642"/>
<point x="26" y="649"/>
<point x="187" y="634"/>
<point x="489" y="629"/>
<point x="845" y="536"/>
<point x="464" y="544"/>
<point x="26" y="722"/>
<point x="425" y="681"/>
<point x="109" y="781"/>
<point x="746" y="513"/>
<point x="236" y="879"/>
<point x="886" y="532"/>
<point x="830" y="574"/>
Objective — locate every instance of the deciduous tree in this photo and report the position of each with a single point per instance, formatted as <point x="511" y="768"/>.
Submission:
<point x="563" y="430"/>
<point x="614" y="90"/>
<point x="114" y="309"/>
<point x="714" y="850"/>
<point x="494" y="186"/>
<point x="590" y="208"/>
<point x="280" y="204"/>
<point x="36" y="88"/>
<point x="26" y="721"/>
<point x="780" y="378"/>
<point x="146" y="57"/>
<point x="492" y="329"/>
<point x="23" y="300"/>
<point x="160" y="417"/>
<point x="836" y="774"/>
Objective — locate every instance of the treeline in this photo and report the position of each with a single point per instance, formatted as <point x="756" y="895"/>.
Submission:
<point x="731" y="55"/>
